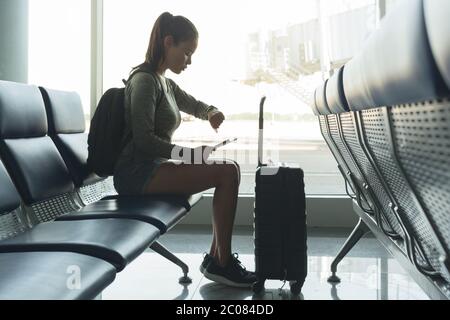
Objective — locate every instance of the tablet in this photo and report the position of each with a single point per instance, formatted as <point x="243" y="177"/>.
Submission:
<point x="225" y="142"/>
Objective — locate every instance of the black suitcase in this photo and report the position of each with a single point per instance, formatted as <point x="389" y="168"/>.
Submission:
<point x="279" y="222"/>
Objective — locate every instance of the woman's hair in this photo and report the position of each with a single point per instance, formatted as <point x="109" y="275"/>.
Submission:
<point x="179" y="27"/>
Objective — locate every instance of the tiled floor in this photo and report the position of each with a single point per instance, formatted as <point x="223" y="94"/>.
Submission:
<point x="367" y="273"/>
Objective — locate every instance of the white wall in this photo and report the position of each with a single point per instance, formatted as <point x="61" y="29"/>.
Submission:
<point x="321" y="212"/>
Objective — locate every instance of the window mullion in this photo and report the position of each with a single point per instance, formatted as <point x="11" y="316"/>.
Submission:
<point x="96" y="53"/>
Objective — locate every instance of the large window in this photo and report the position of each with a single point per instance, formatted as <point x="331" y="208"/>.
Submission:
<point x="247" y="49"/>
<point x="59" y="46"/>
<point x="282" y="50"/>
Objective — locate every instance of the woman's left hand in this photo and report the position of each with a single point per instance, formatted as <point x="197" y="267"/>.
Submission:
<point x="215" y="118"/>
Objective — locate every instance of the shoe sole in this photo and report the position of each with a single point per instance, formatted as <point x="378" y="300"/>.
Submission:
<point x="223" y="280"/>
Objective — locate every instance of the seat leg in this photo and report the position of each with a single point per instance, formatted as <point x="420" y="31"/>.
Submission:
<point x="98" y="297"/>
<point x="160" y="249"/>
<point x="358" y="232"/>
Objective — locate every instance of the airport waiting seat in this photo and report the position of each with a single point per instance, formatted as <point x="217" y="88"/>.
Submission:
<point x="376" y="82"/>
<point x="424" y="149"/>
<point x="44" y="185"/>
<point x="341" y="134"/>
<point x="344" y="142"/>
<point x="345" y="136"/>
<point x="323" y="109"/>
<point x="43" y="275"/>
<point x="388" y="120"/>
<point x="46" y="276"/>
<point x="67" y="128"/>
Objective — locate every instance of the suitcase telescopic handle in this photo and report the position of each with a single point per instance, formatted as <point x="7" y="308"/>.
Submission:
<point x="261" y="131"/>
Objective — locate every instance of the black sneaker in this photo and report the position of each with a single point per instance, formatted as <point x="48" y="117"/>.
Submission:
<point x="207" y="258"/>
<point x="234" y="274"/>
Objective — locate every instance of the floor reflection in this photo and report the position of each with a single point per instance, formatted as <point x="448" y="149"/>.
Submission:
<point x="184" y="294"/>
<point x="373" y="275"/>
<point x="215" y="291"/>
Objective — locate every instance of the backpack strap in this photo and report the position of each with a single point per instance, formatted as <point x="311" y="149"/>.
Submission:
<point x="142" y="68"/>
<point x="145" y="68"/>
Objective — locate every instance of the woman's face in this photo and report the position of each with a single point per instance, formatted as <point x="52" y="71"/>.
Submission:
<point x="178" y="57"/>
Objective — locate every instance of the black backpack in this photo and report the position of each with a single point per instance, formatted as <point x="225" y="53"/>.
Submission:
<point x="106" y="138"/>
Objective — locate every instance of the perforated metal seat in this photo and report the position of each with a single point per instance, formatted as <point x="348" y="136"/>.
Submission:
<point x="374" y="80"/>
<point x="397" y="135"/>
<point x="422" y="144"/>
<point x="340" y="133"/>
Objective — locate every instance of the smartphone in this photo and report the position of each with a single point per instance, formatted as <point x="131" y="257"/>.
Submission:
<point x="225" y="142"/>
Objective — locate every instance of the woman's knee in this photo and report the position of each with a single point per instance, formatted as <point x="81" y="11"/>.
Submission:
<point x="228" y="173"/>
<point x="233" y="164"/>
<point x="238" y="168"/>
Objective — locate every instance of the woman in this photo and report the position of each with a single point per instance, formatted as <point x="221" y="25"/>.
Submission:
<point x="153" y="104"/>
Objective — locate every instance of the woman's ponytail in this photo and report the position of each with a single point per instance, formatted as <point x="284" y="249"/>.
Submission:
<point x="179" y="27"/>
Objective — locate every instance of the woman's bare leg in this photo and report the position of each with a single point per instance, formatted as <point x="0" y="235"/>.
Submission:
<point x="223" y="219"/>
<point x="213" y="250"/>
<point x="193" y="178"/>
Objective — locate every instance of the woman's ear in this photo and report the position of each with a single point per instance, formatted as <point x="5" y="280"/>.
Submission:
<point x="168" y="42"/>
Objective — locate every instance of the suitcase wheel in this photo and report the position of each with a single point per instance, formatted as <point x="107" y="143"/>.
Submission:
<point x="258" y="286"/>
<point x="296" y="287"/>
